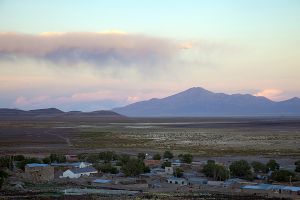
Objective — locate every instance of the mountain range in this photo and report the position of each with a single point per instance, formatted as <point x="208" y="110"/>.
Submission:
<point x="198" y="101"/>
<point x="56" y="113"/>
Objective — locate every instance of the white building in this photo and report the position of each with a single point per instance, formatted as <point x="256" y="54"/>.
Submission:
<point x="75" y="164"/>
<point x="78" y="172"/>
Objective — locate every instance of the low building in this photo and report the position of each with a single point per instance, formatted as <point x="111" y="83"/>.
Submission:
<point x="197" y="181"/>
<point x="36" y="172"/>
<point x="176" y="163"/>
<point x="281" y="189"/>
<point x="78" y="172"/>
<point x="169" y="170"/>
<point x="72" y="164"/>
<point x="101" y="181"/>
<point x="215" y="183"/>
<point x="176" y="180"/>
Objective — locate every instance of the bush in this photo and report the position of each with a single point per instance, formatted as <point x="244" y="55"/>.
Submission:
<point x="168" y="154"/>
<point x="157" y="156"/>
<point x="186" y="158"/>
<point x="240" y="169"/>
<point x="272" y="165"/>
<point x="297" y="162"/>
<point x="178" y="172"/>
<point x="259" y="167"/>
<point x="6" y="162"/>
<point x="46" y="160"/>
<point x="215" y="171"/>
<point x="3" y="176"/>
<point x="282" y="175"/>
<point x="123" y="159"/>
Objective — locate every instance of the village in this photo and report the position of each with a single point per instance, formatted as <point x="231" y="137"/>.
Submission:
<point x="108" y="173"/>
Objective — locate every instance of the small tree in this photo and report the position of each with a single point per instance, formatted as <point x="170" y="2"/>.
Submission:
<point x="157" y="156"/>
<point x="21" y="164"/>
<point x="19" y="157"/>
<point x="3" y="176"/>
<point x="133" y="167"/>
<point x="141" y="156"/>
<point x="166" y="164"/>
<point x="259" y="167"/>
<point x="282" y="175"/>
<point x="178" y="172"/>
<point x="168" y="154"/>
<point x="272" y="165"/>
<point x="186" y="158"/>
<point x="215" y="171"/>
<point x="57" y="158"/>
<point x="106" y="168"/>
<point x="297" y="169"/>
<point x="46" y="160"/>
<point x="241" y="169"/>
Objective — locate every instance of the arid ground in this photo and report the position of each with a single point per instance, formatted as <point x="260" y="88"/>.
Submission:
<point x="200" y="136"/>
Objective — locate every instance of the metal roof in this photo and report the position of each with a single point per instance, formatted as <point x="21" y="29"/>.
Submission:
<point x="102" y="181"/>
<point x="36" y="165"/>
<point x="83" y="170"/>
<point x="271" y="187"/>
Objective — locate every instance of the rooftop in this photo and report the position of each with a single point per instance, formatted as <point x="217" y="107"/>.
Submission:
<point x="36" y="165"/>
<point x="83" y="170"/>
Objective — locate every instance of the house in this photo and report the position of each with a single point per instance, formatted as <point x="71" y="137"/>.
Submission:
<point x="176" y="163"/>
<point x="176" y="180"/>
<point x="195" y="181"/>
<point x="72" y="164"/>
<point x="169" y="170"/>
<point x="36" y="172"/>
<point x="158" y="171"/>
<point x="78" y="172"/>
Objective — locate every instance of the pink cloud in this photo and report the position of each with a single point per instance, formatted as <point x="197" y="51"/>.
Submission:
<point x="273" y="94"/>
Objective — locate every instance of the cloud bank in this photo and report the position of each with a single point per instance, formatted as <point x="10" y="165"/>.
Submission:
<point x="100" y="49"/>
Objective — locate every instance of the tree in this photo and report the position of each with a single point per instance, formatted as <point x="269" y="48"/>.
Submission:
<point x="21" y="164"/>
<point x="3" y="176"/>
<point x="272" y="165"/>
<point x="186" y="158"/>
<point x="106" y="168"/>
<point x="107" y="156"/>
<point x="19" y="157"/>
<point x="157" y="156"/>
<point x="57" y="158"/>
<point x="166" y="164"/>
<point x="282" y="175"/>
<point x="297" y="162"/>
<point x="259" y="167"/>
<point x="215" y="171"/>
<point x="6" y="162"/>
<point x="297" y="169"/>
<point x="178" y="172"/>
<point x="141" y="156"/>
<point x="168" y="154"/>
<point x="241" y="169"/>
<point x="133" y="167"/>
<point x="123" y="159"/>
<point x="46" y="160"/>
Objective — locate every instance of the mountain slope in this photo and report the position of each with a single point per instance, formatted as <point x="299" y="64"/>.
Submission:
<point x="200" y="102"/>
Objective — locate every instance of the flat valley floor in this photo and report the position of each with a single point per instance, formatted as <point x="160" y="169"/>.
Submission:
<point x="204" y="137"/>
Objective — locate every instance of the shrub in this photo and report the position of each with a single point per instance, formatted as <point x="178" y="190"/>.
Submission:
<point x="106" y="168"/>
<point x="178" y="172"/>
<point x="259" y="167"/>
<point x="141" y="156"/>
<point x="166" y="164"/>
<point x="133" y="167"/>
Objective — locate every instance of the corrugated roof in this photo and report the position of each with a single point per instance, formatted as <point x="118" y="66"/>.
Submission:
<point x="102" y="181"/>
<point x="271" y="187"/>
<point x="36" y="165"/>
<point x="83" y="170"/>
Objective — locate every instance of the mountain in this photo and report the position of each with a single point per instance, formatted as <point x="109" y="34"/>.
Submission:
<point x="198" y="101"/>
<point x="6" y="113"/>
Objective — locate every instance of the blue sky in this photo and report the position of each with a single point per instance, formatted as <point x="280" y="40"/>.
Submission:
<point x="101" y="54"/>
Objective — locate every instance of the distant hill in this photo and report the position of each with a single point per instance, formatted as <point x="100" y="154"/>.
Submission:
<point x="56" y="113"/>
<point x="201" y="102"/>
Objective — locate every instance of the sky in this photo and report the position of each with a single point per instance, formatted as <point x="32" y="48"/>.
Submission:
<point x="94" y="55"/>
